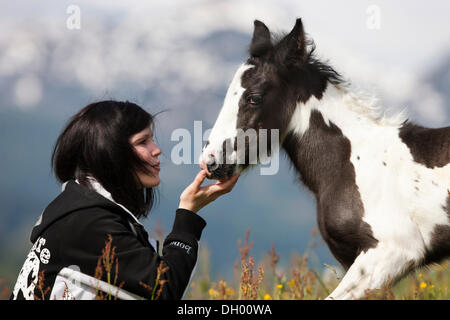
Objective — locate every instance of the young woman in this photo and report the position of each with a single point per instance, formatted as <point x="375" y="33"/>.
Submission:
<point x="88" y="242"/>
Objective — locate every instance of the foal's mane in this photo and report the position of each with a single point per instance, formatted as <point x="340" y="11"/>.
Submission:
<point x="367" y="104"/>
<point x="310" y="57"/>
<point x="358" y="100"/>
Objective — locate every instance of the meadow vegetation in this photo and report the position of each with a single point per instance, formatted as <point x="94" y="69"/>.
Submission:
<point x="266" y="280"/>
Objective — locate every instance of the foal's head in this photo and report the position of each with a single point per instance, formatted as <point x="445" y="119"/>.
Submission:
<point x="279" y="74"/>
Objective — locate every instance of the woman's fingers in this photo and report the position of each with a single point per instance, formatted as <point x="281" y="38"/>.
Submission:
<point x="230" y="182"/>
<point x="195" y="197"/>
<point x="223" y="187"/>
<point x="198" y="180"/>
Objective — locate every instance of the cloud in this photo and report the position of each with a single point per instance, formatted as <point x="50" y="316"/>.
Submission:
<point x="21" y="52"/>
<point x="27" y="92"/>
<point x="158" y="45"/>
<point x="397" y="89"/>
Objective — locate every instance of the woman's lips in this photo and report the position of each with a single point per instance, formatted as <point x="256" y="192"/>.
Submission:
<point x="155" y="166"/>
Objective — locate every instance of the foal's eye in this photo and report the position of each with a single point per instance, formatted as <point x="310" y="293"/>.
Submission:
<point x="254" y="99"/>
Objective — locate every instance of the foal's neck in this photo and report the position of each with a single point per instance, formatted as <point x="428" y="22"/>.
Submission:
<point x="325" y="134"/>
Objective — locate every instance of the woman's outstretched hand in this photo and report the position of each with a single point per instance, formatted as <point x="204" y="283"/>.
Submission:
<point x="195" y="197"/>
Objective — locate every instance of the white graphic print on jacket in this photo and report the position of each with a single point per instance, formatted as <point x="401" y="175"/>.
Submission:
<point x="29" y="275"/>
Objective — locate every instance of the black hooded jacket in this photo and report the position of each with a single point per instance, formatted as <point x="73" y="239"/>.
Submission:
<point x="68" y="241"/>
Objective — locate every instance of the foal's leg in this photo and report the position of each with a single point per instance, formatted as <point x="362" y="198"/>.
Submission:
<point x="373" y="268"/>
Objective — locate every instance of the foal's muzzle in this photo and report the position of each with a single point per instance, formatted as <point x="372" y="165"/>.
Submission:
<point x="217" y="170"/>
<point x="219" y="164"/>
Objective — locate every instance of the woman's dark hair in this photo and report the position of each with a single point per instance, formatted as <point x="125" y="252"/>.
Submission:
<point x="96" y="143"/>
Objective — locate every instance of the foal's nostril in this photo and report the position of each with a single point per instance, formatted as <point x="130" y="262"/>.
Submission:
<point x="211" y="163"/>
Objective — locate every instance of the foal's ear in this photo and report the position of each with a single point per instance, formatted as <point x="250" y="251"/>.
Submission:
<point x="261" y="40"/>
<point x="295" y="41"/>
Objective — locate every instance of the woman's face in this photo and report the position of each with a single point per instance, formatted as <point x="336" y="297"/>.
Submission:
<point x="149" y="152"/>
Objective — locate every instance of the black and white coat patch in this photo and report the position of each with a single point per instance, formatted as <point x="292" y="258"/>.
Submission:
<point x="381" y="184"/>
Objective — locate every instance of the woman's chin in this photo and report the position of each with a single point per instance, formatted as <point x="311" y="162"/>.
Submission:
<point x="154" y="184"/>
<point x="150" y="182"/>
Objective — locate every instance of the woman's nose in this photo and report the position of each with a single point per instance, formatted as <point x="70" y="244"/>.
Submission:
<point x="156" y="151"/>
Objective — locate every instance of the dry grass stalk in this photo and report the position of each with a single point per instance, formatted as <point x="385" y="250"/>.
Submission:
<point x="40" y="286"/>
<point x="5" y="291"/>
<point x="106" y="262"/>
<point x="274" y="259"/>
<point x="244" y="251"/>
<point x="222" y="289"/>
<point x="385" y="293"/>
<point x="249" y="283"/>
<point x="303" y="280"/>
<point x="156" y="290"/>
<point x="66" y="293"/>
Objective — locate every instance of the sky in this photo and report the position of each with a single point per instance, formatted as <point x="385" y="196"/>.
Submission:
<point x="390" y="43"/>
<point x="180" y="56"/>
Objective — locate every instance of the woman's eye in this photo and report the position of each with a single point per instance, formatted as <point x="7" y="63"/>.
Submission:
<point x="255" y="99"/>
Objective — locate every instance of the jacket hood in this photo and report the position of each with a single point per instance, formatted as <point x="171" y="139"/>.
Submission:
<point x="73" y="198"/>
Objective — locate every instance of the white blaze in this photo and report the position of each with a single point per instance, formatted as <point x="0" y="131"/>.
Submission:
<point x="225" y="126"/>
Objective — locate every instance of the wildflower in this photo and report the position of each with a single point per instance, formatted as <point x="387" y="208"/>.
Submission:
<point x="280" y="286"/>
<point x="420" y="276"/>
<point x="431" y="286"/>
<point x="291" y="283"/>
<point x="267" y="297"/>
<point x="229" y="292"/>
<point x="423" y="285"/>
<point x="213" y="293"/>
<point x="308" y="289"/>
